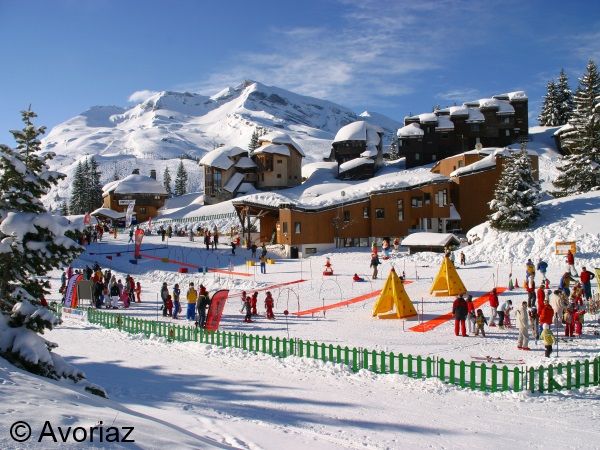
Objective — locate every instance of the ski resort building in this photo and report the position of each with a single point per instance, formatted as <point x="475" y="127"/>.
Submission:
<point x="392" y="206"/>
<point x="489" y="122"/>
<point x="149" y="195"/>
<point x="279" y="161"/>
<point x="357" y="148"/>
<point x="474" y="175"/>
<point x="228" y="171"/>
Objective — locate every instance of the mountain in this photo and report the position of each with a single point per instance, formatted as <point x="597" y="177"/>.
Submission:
<point x="169" y="125"/>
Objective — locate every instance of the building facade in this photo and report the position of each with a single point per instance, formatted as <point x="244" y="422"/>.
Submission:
<point x="489" y="122"/>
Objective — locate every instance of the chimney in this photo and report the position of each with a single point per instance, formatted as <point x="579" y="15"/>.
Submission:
<point x="153" y="174"/>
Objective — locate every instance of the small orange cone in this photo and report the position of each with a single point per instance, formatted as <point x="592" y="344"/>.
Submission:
<point x="516" y="283"/>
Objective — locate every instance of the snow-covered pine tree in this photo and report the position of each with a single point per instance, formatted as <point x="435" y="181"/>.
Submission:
<point x="564" y="97"/>
<point x="77" y="191"/>
<point x="516" y="196"/>
<point x="95" y="188"/>
<point x="64" y="208"/>
<point x="167" y="182"/>
<point x="549" y="115"/>
<point x="253" y="145"/>
<point x="86" y="190"/>
<point x="580" y="169"/>
<point x="393" y="152"/>
<point x="32" y="242"/>
<point x="181" y="179"/>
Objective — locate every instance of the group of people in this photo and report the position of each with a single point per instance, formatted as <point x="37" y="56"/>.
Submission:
<point x="544" y="308"/>
<point x="249" y="306"/>
<point x="107" y="290"/>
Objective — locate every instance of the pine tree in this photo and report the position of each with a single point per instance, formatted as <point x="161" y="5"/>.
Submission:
<point x="579" y="170"/>
<point x="564" y="97"/>
<point x="95" y="188"/>
<point x="32" y="242"/>
<point x="253" y="145"/>
<point x="550" y="114"/>
<point x="181" y="179"/>
<point x="393" y="152"/>
<point x="77" y="191"/>
<point x="64" y="208"/>
<point x="514" y="206"/>
<point x="167" y="182"/>
<point x="86" y="187"/>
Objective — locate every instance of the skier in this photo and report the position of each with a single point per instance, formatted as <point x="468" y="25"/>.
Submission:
<point x="201" y="305"/>
<point x="571" y="262"/>
<point x="169" y="305"/>
<point x="568" y="321"/>
<point x="263" y="264"/>
<point x="504" y="309"/>
<point x="546" y="314"/>
<point x="176" y="304"/>
<point x="534" y="321"/>
<point x="479" y="323"/>
<point x="529" y="269"/>
<point x="191" y="297"/>
<point x="548" y="339"/>
<point x="522" y="319"/>
<point x="459" y="309"/>
<point x="138" y="292"/>
<point x="542" y="266"/>
<point x="530" y="288"/>
<point x="558" y="302"/>
<point x="541" y="296"/>
<point x="130" y="235"/>
<point x="269" y="303"/>
<point x="470" y="314"/>
<point x="374" y="263"/>
<point x="463" y="259"/>
<point x="586" y="278"/>
<point x="494" y="303"/>
<point x="164" y="294"/>
<point x="233" y="244"/>
<point x="565" y="283"/>
<point x="246" y="307"/>
<point x="254" y="302"/>
<point x="114" y="293"/>
<point x="578" y="318"/>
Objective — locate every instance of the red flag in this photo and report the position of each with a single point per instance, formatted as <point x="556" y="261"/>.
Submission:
<point x="215" y="310"/>
<point x="87" y="219"/>
<point x="139" y="235"/>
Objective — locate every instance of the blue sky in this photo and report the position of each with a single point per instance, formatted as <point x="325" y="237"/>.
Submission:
<point x="393" y="57"/>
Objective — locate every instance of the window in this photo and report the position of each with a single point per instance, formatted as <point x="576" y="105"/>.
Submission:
<point x="461" y="164"/>
<point x="400" y="210"/>
<point x="310" y="250"/>
<point x="427" y="198"/>
<point x="297" y="227"/>
<point x="280" y="161"/>
<point x="416" y="202"/>
<point x="506" y="120"/>
<point x="507" y="132"/>
<point x="142" y="210"/>
<point x="442" y="198"/>
<point x="417" y="157"/>
<point x="346" y="216"/>
<point x="284" y="227"/>
<point x="379" y="213"/>
<point x="433" y="155"/>
<point x="217" y="178"/>
<point x="278" y="175"/>
<point x="474" y="127"/>
<point x="366" y="212"/>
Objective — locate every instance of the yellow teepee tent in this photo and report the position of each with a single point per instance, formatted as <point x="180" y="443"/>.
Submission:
<point x="393" y="296"/>
<point x="447" y="282"/>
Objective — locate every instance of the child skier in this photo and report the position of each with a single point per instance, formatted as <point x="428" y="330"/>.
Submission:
<point x="470" y="314"/>
<point x="548" y="339"/>
<point x="253" y="302"/>
<point x="480" y="321"/>
<point x="192" y="296"/>
<point x="269" y="303"/>
<point x="247" y="307"/>
<point x="578" y="317"/>
<point x="138" y="292"/>
<point x="176" y="304"/>
<point x="169" y="306"/>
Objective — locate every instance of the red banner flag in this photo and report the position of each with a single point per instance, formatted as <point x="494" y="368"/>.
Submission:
<point x="215" y="310"/>
<point x="87" y="219"/>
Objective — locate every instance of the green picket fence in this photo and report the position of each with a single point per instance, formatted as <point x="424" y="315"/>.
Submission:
<point x="474" y="376"/>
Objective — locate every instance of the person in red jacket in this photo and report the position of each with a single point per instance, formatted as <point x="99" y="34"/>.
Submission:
<point x="541" y="297"/>
<point x="460" y="309"/>
<point x="269" y="303"/>
<point x="470" y="314"/>
<point x="571" y="262"/>
<point x="494" y="303"/>
<point x="546" y="314"/>
<point x="586" y="278"/>
<point x="253" y="302"/>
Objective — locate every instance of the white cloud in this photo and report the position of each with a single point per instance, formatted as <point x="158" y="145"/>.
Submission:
<point x="373" y="52"/>
<point x="459" y="95"/>
<point x="141" y="96"/>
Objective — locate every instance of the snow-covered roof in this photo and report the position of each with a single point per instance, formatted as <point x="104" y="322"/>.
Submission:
<point x="487" y="162"/>
<point x="356" y="162"/>
<point x="277" y="137"/>
<point x="135" y="184"/>
<point x="359" y="131"/>
<point x="369" y="153"/>
<point x="246" y="187"/>
<point x="512" y="96"/>
<point x="245" y="163"/>
<point x="221" y="157"/>
<point x="411" y="130"/>
<point x="444" y="123"/>
<point x="428" y="118"/>
<point x="426" y="239"/>
<point x="475" y="115"/>
<point x="107" y="212"/>
<point x="233" y="183"/>
<point x="459" y="110"/>
<point x="489" y="103"/>
<point x="279" y="149"/>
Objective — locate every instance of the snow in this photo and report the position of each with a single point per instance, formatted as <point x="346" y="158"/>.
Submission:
<point x="483" y="164"/>
<point x="428" y="239"/>
<point x="444" y="123"/>
<point x="278" y="149"/>
<point x="353" y="163"/>
<point x="428" y="118"/>
<point x="245" y="163"/>
<point x="108" y="213"/>
<point x="135" y="184"/>
<point x="459" y="110"/>
<point x="475" y="116"/>
<point x="411" y="130"/>
<point x="277" y="137"/>
<point x="234" y="182"/>
<point x="221" y="157"/>
<point x="513" y="96"/>
<point x="359" y="131"/>
<point x="369" y="153"/>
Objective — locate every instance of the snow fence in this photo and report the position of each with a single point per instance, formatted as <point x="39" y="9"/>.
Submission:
<point x="491" y="377"/>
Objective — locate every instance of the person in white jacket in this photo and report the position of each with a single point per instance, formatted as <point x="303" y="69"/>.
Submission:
<point x="522" y="319"/>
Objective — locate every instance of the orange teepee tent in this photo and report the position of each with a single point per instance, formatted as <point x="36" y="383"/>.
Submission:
<point x="447" y="282"/>
<point x="393" y="302"/>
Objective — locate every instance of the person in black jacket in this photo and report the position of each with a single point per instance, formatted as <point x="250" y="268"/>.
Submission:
<point x="460" y="309"/>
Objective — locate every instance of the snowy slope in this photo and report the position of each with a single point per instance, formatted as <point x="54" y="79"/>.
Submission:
<point x="167" y="125"/>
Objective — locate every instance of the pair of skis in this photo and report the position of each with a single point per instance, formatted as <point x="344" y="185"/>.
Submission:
<point x="497" y="360"/>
